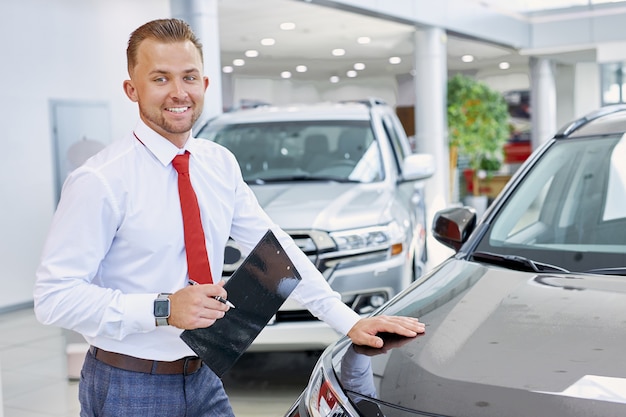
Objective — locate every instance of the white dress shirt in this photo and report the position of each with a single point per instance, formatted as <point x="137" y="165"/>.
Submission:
<point x="116" y="241"/>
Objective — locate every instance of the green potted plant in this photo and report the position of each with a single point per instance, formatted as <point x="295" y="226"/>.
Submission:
<point x="478" y="126"/>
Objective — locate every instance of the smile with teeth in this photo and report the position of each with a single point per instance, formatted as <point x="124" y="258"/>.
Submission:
<point x="177" y="109"/>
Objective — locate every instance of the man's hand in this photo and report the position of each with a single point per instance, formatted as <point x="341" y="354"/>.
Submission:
<point x="194" y="307"/>
<point x="365" y="330"/>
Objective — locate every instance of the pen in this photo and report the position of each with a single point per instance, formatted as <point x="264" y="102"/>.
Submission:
<point x="217" y="297"/>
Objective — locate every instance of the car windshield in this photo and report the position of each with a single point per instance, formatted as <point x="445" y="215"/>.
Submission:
<point x="570" y="209"/>
<point x="302" y="150"/>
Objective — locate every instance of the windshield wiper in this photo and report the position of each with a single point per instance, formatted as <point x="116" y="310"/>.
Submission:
<point x="620" y="270"/>
<point x="307" y="178"/>
<point x="516" y="262"/>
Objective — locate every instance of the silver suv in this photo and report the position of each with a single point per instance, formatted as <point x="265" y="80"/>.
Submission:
<point x="341" y="179"/>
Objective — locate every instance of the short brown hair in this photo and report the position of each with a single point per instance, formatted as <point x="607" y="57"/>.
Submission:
<point x="162" y="30"/>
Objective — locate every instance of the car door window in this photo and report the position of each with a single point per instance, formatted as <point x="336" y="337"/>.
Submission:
<point x="394" y="140"/>
<point x="571" y="201"/>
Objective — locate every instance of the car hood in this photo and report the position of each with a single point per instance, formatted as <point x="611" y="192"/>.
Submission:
<point x="498" y="342"/>
<point x="324" y="205"/>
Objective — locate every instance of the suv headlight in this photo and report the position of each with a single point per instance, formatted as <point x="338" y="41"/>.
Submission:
<point x="369" y="239"/>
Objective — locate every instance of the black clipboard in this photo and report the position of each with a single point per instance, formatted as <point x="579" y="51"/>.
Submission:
<point x="258" y="288"/>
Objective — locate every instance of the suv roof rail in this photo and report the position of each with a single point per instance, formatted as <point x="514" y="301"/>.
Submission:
<point x="570" y="128"/>
<point x="370" y="101"/>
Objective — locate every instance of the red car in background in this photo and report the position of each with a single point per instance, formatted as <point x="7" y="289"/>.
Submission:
<point x="519" y="146"/>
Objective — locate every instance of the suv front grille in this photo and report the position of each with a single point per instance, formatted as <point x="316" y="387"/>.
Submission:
<point x="312" y="242"/>
<point x="320" y="248"/>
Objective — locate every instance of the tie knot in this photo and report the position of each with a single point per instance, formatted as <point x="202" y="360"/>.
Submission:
<point x="181" y="163"/>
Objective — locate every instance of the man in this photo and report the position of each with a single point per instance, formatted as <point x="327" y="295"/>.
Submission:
<point x="116" y="246"/>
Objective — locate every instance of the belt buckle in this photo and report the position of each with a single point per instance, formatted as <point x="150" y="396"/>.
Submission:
<point x="186" y="363"/>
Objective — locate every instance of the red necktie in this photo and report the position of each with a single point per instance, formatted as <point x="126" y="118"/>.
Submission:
<point x="197" y="258"/>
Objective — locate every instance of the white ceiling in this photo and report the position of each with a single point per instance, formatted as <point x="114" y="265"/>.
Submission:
<point x="525" y="6"/>
<point x="319" y="30"/>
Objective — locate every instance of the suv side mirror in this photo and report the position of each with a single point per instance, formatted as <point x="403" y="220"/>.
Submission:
<point x="418" y="166"/>
<point x="452" y="226"/>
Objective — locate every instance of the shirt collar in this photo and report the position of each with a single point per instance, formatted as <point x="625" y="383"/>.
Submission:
<point x="160" y="147"/>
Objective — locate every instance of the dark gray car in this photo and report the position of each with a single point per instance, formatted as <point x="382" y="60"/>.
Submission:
<point x="527" y="319"/>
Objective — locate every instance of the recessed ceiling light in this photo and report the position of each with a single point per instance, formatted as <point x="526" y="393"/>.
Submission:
<point x="467" y="58"/>
<point x="239" y="62"/>
<point x="504" y="65"/>
<point x="227" y="69"/>
<point x="359" y="66"/>
<point x="287" y="26"/>
<point x="334" y="79"/>
<point x="251" y="53"/>
<point x="285" y="74"/>
<point x="395" y="60"/>
<point x="351" y="73"/>
<point x="268" y="41"/>
<point x="301" y="68"/>
<point x="363" y="40"/>
<point x="339" y="52"/>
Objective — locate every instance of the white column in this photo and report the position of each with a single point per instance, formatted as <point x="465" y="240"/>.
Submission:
<point x="542" y="100"/>
<point x="202" y="16"/>
<point x="431" y="132"/>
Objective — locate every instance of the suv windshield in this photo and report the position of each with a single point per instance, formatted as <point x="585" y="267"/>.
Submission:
<point x="572" y="204"/>
<point x="302" y="150"/>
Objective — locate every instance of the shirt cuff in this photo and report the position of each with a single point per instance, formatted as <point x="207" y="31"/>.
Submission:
<point x="341" y="318"/>
<point x="140" y="312"/>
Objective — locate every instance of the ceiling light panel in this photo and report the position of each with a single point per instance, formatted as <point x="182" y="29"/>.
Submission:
<point x="320" y="29"/>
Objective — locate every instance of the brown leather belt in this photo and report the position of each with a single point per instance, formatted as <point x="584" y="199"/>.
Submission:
<point x="185" y="366"/>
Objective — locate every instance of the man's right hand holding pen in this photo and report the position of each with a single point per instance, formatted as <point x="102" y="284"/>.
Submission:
<point x="217" y="297"/>
<point x="198" y="305"/>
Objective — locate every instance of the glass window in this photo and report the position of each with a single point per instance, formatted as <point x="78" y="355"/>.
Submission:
<point x="307" y="150"/>
<point x="570" y="204"/>
<point x="392" y="134"/>
<point x="613" y="87"/>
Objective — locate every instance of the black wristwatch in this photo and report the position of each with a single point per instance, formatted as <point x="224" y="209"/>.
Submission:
<point x="162" y="309"/>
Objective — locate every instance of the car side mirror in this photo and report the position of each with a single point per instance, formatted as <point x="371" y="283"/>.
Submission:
<point x="418" y="166"/>
<point x="452" y="226"/>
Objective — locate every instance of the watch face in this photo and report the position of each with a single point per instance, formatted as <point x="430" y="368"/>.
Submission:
<point x="162" y="308"/>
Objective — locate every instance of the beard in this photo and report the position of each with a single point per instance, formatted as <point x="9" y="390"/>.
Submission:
<point x="157" y="120"/>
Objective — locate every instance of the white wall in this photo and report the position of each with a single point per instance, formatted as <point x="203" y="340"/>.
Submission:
<point x="565" y="78"/>
<point x="61" y="50"/>
<point x="587" y="92"/>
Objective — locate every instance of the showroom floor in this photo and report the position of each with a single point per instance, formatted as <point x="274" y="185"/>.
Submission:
<point x="35" y="384"/>
<point x="34" y="370"/>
